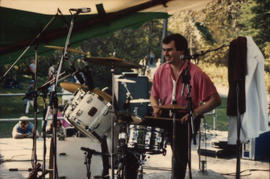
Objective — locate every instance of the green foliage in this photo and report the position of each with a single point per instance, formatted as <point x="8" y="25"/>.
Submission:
<point x="255" y="19"/>
<point x="205" y="32"/>
<point x="128" y="44"/>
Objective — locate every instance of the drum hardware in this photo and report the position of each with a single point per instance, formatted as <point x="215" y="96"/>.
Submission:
<point x="122" y="152"/>
<point x="141" y="162"/>
<point x="87" y="160"/>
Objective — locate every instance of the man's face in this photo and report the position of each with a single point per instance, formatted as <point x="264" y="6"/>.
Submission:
<point x="24" y="125"/>
<point x="170" y="53"/>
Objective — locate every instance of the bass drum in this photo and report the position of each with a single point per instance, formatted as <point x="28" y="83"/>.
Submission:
<point x="90" y="113"/>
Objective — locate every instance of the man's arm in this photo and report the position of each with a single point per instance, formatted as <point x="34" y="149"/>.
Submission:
<point x="154" y="104"/>
<point x="208" y="105"/>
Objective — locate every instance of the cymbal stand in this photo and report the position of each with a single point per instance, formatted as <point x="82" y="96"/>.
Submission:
<point x="128" y="98"/>
<point x="186" y="81"/>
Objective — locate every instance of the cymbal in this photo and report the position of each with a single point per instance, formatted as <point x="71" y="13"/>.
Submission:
<point x="104" y="95"/>
<point x="68" y="49"/>
<point x="112" y="61"/>
<point x="172" y="107"/>
<point x="140" y="101"/>
<point x="128" y="117"/>
<point x="73" y="87"/>
<point x="125" y="81"/>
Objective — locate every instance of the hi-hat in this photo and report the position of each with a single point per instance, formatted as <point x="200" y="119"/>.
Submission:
<point x="112" y="61"/>
<point x="171" y="107"/>
<point x="68" y="49"/>
<point x="73" y="87"/>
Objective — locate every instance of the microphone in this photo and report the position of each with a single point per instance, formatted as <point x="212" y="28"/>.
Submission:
<point x="79" y="77"/>
<point x="183" y="57"/>
<point x="81" y="10"/>
<point x="88" y="78"/>
<point x="183" y="89"/>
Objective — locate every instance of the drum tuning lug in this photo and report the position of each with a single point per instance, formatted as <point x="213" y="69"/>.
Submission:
<point x="164" y="152"/>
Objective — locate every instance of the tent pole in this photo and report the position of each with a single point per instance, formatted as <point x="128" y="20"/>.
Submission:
<point x="164" y="34"/>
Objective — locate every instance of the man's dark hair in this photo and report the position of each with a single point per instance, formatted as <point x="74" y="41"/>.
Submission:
<point x="180" y="41"/>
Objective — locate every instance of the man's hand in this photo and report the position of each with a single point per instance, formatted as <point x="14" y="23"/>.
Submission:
<point x="156" y="111"/>
<point x="184" y="119"/>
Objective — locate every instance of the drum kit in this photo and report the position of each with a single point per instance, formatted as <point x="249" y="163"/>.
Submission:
<point x="92" y="112"/>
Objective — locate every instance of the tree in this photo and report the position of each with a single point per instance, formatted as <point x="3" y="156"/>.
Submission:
<point x="255" y="19"/>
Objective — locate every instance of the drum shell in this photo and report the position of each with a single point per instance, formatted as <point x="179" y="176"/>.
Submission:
<point x="89" y="113"/>
<point x="146" y="139"/>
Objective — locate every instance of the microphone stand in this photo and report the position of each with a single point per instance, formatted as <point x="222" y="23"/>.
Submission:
<point x="238" y="132"/>
<point x="35" y="165"/>
<point x="54" y="99"/>
<point x="34" y="152"/>
<point x="112" y="124"/>
<point x="29" y="46"/>
<point x="44" y="91"/>
<point x="44" y="120"/>
<point x="186" y="81"/>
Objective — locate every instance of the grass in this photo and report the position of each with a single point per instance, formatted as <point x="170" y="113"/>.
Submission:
<point x="221" y="120"/>
<point x="13" y="107"/>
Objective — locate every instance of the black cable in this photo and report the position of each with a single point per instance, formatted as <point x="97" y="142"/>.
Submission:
<point x="246" y="170"/>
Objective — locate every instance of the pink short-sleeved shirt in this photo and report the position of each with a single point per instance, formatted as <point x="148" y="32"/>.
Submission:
<point x="202" y="86"/>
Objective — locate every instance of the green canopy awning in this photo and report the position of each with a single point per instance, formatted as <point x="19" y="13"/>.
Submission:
<point x="20" y="28"/>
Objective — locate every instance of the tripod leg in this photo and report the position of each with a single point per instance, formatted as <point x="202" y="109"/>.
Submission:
<point x="105" y="158"/>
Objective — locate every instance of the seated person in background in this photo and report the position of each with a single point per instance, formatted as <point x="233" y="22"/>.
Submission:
<point x="59" y="129"/>
<point x="23" y="129"/>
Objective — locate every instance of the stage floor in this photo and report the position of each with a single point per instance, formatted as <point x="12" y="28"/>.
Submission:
<point x="16" y="155"/>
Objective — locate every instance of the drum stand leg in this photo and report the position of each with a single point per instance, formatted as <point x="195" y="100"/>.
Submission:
<point x="105" y="158"/>
<point x="122" y="152"/>
<point x="141" y="162"/>
<point x="87" y="162"/>
<point x="87" y="159"/>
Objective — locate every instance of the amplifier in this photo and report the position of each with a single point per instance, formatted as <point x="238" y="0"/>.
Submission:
<point x="137" y="86"/>
<point x="258" y="148"/>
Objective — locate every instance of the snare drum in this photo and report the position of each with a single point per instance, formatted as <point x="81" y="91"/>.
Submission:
<point x="89" y="113"/>
<point x="146" y="139"/>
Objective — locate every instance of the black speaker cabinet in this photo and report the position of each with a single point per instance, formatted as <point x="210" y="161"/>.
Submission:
<point x="138" y="87"/>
